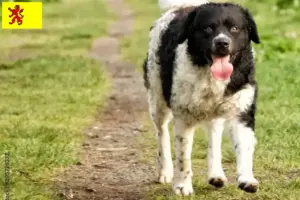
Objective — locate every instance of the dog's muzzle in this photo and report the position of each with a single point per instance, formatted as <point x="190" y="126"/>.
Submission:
<point x="221" y="46"/>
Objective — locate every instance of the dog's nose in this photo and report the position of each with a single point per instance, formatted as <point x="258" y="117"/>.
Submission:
<point x="222" y="43"/>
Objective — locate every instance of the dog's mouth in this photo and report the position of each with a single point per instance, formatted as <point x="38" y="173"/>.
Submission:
<point x="221" y="68"/>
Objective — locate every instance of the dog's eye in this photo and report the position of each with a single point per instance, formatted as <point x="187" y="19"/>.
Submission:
<point x="234" y="29"/>
<point x="208" y="29"/>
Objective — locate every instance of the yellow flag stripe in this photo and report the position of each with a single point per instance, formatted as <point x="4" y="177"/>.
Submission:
<point x="22" y="15"/>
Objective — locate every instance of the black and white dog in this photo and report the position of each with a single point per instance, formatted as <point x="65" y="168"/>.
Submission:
<point x="200" y="71"/>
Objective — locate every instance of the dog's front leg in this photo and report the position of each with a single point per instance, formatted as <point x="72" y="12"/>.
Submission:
<point x="182" y="183"/>
<point x="216" y="176"/>
<point x="244" y="141"/>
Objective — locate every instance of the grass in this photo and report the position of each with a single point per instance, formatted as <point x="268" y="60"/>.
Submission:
<point x="47" y="101"/>
<point x="277" y="158"/>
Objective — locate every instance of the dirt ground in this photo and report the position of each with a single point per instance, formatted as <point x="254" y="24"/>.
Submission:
<point x="109" y="167"/>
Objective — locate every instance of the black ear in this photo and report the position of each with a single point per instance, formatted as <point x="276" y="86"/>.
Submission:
<point x="186" y="26"/>
<point x="252" y="28"/>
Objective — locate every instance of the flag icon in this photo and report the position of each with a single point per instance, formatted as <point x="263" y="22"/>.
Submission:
<point x="22" y="15"/>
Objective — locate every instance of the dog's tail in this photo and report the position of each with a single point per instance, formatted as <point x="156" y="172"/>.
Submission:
<point x="169" y="4"/>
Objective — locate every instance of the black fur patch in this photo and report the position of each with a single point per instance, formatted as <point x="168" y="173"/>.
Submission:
<point x="166" y="53"/>
<point x="248" y="117"/>
<point x="145" y="68"/>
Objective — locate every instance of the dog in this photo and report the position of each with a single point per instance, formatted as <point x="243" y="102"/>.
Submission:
<point x="200" y="72"/>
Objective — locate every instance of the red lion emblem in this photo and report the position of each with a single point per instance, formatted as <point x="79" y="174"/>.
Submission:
<point x="15" y="15"/>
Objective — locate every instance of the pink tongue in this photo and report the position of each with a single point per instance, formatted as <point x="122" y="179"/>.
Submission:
<point x="221" y="68"/>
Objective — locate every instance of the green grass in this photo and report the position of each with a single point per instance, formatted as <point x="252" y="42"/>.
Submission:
<point x="48" y="100"/>
<point x="277" y="157"/>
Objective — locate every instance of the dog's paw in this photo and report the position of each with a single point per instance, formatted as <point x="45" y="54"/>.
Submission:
<point x="165" y="175"/>
<point x="217" y="181"/>
<point x="248" y="184"/>
<point x="183" y="187"/>
<point x="164" y="179"/>
<point x="217" y="178"/>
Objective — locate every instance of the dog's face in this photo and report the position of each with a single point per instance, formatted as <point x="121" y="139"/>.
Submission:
<point x="218" y="30"/>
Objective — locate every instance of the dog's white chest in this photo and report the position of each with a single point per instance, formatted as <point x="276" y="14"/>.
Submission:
<point x="196" y="94"/>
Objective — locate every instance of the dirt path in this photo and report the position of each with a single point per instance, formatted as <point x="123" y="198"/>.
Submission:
<point x="109" y="168"/>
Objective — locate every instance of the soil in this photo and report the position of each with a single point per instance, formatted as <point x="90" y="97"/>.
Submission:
<point x="109" y="167"/>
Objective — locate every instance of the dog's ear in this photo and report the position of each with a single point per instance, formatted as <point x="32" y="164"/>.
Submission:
<point x="186" y="26"/>
<point x="252" y="28"/>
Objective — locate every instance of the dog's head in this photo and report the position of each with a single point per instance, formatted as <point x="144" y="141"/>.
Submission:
<point x="218" y="31"/>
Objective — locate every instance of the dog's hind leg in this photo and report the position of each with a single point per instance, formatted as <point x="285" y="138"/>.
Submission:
<point x="184" y="134"/>
<point x="161" y="116"/>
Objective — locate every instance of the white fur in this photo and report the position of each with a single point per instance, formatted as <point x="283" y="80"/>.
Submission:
<point x="221" y="35"/>
<point x="182" y="183"/>
<point x="159" y="112"/>
<point x="197" y="99"/>
<point x="244" y="142"/>
<point x="169" y="4"/>
<point x="215" y="130"/>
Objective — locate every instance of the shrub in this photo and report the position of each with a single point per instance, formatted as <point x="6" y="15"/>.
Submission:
<point x="284" y="4"/>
